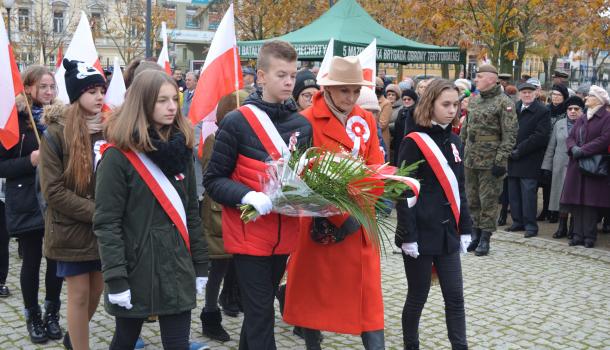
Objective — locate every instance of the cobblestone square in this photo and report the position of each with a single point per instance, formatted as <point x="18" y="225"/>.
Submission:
<point x="527" y="294"/>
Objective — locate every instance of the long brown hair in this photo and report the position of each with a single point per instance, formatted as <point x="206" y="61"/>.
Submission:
<point x="127" y="128"/>
<point x="78" y="173"/>
<point x="32" y="75"/>
<point x="425" y="106"/>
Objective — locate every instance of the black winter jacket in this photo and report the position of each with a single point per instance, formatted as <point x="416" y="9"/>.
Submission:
<point x="405" y="122"/>
<point x="430" y="222"/>
<point x="22" y="210"/>
<point x="532" y="138"/>
<point x="235" y="137"/>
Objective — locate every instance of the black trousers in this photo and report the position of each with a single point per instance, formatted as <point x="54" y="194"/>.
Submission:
<point x="522" y="197"/>
<point x="585" y="222"/>
<point x="258" y="278"/>
<point x="31" y="243"/>
<point x="419" y="272"/>
<point x="4" y="240"/>
<point x="218" y="270"/>
<point x="175" y="331"/>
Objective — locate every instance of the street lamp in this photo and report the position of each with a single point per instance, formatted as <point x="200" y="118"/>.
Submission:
<point x="8" y="4"/>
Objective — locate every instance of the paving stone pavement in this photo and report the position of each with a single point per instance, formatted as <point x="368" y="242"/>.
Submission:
<point x="525" y="295"/>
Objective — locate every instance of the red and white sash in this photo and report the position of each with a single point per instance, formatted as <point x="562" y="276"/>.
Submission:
<point x="265" y="131"/>
<point x="163" y="190"/>
<point x="442" y="170"/>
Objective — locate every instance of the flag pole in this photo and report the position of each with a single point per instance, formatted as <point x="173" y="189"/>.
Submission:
<point x="27" y="104"/>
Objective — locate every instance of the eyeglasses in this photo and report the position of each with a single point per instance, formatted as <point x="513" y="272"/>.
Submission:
<point x="573" y="108"/>
<point x="307" y="95"/>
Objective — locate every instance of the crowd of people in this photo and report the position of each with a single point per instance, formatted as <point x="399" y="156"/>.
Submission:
<point x="131" y="207"/>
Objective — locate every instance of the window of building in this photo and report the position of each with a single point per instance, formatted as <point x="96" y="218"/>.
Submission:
<point x="96" y="22"/>
<point x="58" y="21"/>
<point x="192" y="20"/>
<point x="24" y="19"/>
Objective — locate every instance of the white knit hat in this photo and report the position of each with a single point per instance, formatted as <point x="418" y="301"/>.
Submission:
<point x="600" y="93"/>
<point x="463" y="83"/>
<point x="368" y="100"/>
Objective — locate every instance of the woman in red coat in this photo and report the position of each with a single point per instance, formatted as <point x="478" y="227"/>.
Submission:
<point x="337" y="287"/>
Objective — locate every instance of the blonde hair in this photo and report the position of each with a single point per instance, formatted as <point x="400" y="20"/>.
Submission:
<point x="425" y="106"/>
<point x="79" y="171"/>
<point x="127" y="128"/>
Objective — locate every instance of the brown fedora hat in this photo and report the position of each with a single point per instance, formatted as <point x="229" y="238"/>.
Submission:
<point x="344" y="71"/>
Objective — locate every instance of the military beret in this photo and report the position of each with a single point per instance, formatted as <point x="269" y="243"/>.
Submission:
<point x="559" y="74"/>
<point x="505" y="76"/>
<point x="488" y="68"/>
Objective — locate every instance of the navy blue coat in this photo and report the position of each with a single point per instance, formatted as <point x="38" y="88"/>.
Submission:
<point x="532" y="138"/>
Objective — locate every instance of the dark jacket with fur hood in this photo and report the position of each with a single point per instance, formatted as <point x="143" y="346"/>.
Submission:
<point x="68" y="221"/>
<point x="22" y="210"/>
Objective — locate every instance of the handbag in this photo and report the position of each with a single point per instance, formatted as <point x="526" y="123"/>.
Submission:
<point x="595" y="165"/>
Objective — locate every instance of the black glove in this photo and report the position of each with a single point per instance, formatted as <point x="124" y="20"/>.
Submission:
<point x="514" y="155"/>
<point x="546" y="176"/>
<point x="324" y="232"/>
<point x="577" y="152"/>
<point x="498" y="171"/>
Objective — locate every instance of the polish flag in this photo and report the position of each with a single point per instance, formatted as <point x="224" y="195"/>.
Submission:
<point x="328" y="56"/>
<point x="60" y="56"/>
<point x="115" y="95"/>
<point x="163" y="60"/>
<point x="10" y="80"/>
<point x="368" y="61"/>
<point x="220" y="76"/>
<point x="81" y="48"/>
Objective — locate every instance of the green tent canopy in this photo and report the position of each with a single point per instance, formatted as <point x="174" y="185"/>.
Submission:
<point x="353" y="29"/>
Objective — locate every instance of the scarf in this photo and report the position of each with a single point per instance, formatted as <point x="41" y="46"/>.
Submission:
<point x="571" y="123"/>
<point x="37" y="112"/>
<point x="341" y="115"/>
<point x="94" y="123"/>
<point x="557" y="111"/>
<point x="591" y="111"/>
<point x="171" y="156"/>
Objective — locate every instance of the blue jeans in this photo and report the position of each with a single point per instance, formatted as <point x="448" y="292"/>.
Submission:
<point x="522" y="196"/>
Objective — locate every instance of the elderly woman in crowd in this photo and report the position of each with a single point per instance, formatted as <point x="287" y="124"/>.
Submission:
<point x="584" y="195"/>
<point x="556" y="159"/>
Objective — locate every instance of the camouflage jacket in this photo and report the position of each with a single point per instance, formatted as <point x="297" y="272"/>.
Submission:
<point x="490" y="130"/>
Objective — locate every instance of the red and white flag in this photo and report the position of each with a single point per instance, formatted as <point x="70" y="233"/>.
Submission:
<point x="60" y="56"/>
<point x="368" y="61"/>
<point x="81" y="48"/>
<point x="328" y="56"/>
<point x="220" y="76"/>
<point x="115" y="95"/>
<point x="163" y="60"/>
<point x="11" y="86"/>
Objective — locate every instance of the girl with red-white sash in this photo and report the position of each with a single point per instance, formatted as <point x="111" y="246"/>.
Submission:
<point x="154" y="256"/>
<point x="433" y="232"/>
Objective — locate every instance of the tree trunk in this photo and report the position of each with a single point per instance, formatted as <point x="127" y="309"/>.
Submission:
<point x="549" y="80"/>
<point x="519" y="60"/>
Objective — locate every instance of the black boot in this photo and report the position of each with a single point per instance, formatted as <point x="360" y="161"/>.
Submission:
<point x="483" y="247"/>
<point x="476" y="235"/>
<point x="211" y="326"/>
<point x="571" y="227"/>
<point x="543" y="215"/>
<point x="562" y="229"/>
<point x="51" y="320"/>
<point x="553" y="217"/>
<point x="502" y="216"/>
<point x="412" y="346"/>
<point x="33" y="319"/>
<point x="312" y="337"/>
<point x="67" y="343"/>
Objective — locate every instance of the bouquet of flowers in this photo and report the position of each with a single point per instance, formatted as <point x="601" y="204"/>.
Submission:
<point x="321" y="183"/>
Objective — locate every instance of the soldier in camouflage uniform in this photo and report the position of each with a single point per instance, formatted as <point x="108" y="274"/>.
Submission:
<point x="489" y="136"/>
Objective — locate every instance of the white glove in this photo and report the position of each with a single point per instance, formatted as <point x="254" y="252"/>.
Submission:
<point x="200" y="283"/>
<point x="122" y="299"/>
<point x="464" y="242"/>
<point x="260" y="201"/>
<point x="410" y="249"/>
